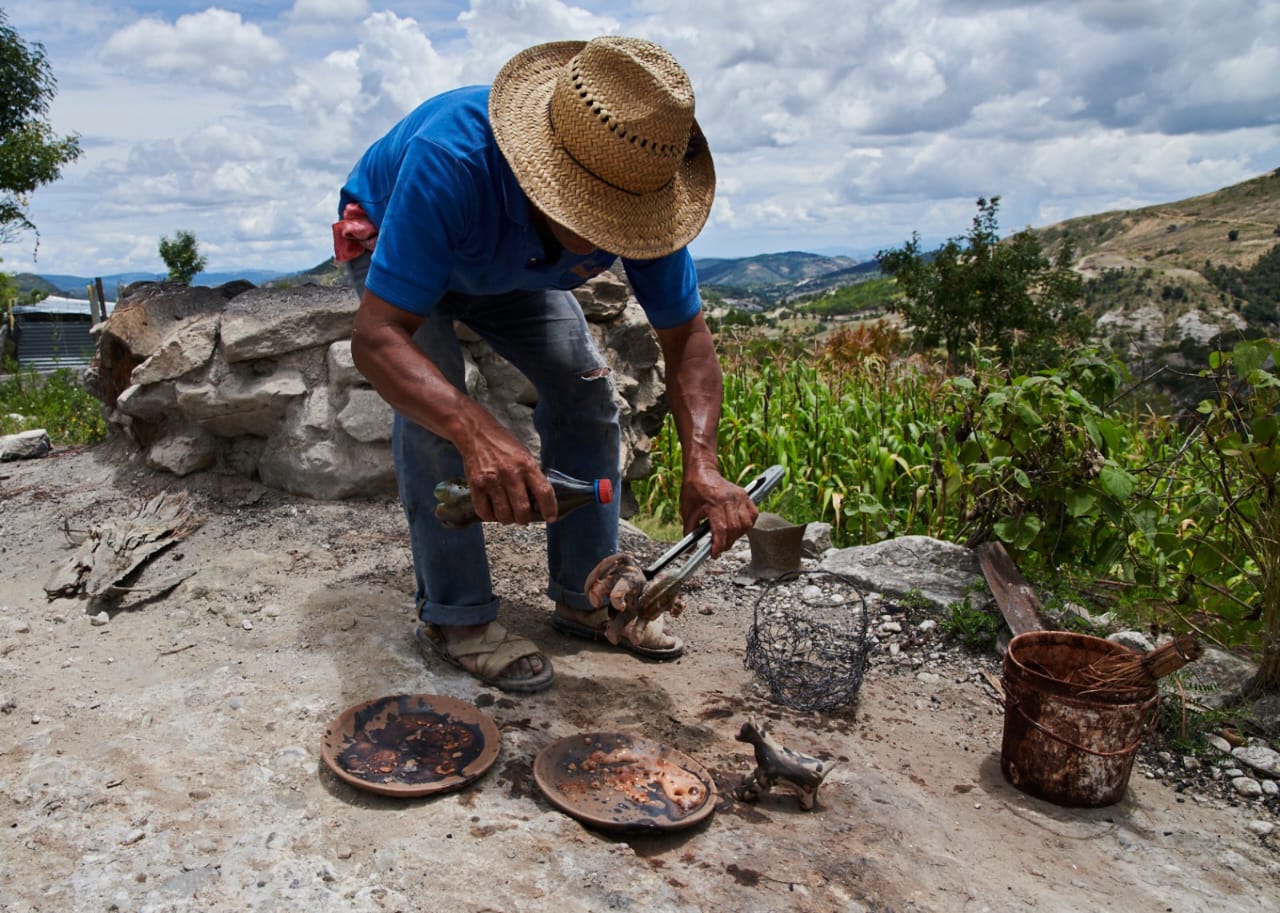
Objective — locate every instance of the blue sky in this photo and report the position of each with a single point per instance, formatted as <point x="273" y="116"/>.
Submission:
<point x="842" y="125"/>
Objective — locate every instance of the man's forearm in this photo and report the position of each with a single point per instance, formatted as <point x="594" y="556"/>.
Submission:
<point x="695" y="390"/>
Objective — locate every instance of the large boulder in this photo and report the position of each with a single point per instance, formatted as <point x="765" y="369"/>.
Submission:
<point x="260" y="382"/>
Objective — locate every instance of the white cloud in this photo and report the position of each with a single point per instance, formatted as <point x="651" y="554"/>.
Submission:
<point x="832" y="125"/>
<point x="214" y="47"/>
<point x="312" y="10"/>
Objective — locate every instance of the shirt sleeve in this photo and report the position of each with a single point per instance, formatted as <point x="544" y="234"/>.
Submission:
<point x="667" y="288"/>
<point x="425" y="218"/>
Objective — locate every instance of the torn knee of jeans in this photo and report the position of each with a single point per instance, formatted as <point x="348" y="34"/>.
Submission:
<point x="596" y="373"/>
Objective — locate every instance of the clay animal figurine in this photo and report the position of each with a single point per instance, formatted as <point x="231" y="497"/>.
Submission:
<point x="777" y="764"/>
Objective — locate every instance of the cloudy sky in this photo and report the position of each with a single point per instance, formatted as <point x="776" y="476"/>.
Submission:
<point x="836" y="125"/>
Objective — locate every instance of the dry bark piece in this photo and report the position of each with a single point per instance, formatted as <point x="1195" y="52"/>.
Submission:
<point x="113" y="550"/>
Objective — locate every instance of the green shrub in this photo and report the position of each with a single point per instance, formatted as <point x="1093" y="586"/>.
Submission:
<point x="58" y="403"/>
<point x="974" y="626"/>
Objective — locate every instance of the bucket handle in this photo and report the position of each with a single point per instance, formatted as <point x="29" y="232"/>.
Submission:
<point x="1147" y="728"/>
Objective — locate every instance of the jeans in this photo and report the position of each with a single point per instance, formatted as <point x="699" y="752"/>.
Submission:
<point x="545" y="336"/>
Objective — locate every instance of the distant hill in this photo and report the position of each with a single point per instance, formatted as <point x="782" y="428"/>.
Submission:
<point x="1168" y="284"/>
<point x="1231" y="227"/>
<point x="75" y="286"/>
<point x="765" y="270"/>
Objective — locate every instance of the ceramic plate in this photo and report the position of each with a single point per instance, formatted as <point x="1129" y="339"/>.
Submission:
<point x="620" y="782"/>
<point x="411" y="744"/>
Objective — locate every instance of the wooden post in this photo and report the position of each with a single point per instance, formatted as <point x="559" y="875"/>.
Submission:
<point x="94" y="307"/>
<point x="102" y="297"/>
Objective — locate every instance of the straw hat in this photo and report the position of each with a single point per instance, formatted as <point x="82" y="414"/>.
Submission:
<point x="602" y="139"/>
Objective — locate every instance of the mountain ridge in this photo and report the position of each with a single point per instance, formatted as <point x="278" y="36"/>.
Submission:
<point x="1233" y="226"/>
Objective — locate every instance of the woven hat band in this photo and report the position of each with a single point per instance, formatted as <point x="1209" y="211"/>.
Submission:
<point x="624" y="114"/>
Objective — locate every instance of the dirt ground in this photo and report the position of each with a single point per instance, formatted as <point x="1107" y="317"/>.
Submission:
<point x="168" y="760"/>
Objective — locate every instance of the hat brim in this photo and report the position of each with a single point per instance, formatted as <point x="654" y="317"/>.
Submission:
<point x="638" y="226"/>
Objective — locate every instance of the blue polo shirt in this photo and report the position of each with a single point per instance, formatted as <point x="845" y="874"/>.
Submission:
<point x="451" y="217"/>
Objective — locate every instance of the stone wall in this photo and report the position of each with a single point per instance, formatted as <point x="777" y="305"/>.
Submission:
<point x="260" y="382"/>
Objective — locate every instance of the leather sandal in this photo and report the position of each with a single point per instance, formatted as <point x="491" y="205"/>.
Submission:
<point x="495" y="648"/>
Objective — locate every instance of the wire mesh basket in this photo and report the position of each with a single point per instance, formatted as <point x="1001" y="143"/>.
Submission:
<point x="809" y="640"/>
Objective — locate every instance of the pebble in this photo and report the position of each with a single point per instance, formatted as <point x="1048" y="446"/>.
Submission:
<point x="1270" y="788"/>
<point x="1260" y="758"/>
<point x="1134" y="640"/>
<point x="100" y="619"/>
<point x="22" y="627"/>
<point x="246" y="624"/>
<point x="1219" y="743"/>
<point x="1261" y="828"/>
<point x="1247" y="787"/>
<point x="927" y="626"/>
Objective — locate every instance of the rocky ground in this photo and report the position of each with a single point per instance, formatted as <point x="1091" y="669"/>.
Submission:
<point x="165" y="756"/>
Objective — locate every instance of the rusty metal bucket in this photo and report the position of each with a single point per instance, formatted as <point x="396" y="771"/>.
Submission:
<point x="1064" y="742"/>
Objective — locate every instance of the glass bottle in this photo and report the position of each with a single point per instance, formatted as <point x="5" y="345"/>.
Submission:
<point x="453" y="497"/>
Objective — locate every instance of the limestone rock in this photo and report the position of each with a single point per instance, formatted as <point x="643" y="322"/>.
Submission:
<point x="240" y="405"/>
<point x="186" y="348"/>
<point x="342" y="367"/>
<point x="25" y="445"/>
<point x="264" y="323"/>
<point x="366" y="417"/>
<point x="940" y="573"/>
<point x="190" y="449"/>
<point x="147" y="401"/>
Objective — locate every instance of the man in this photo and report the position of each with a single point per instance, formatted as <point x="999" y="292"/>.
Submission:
<point x="484" y="206"/>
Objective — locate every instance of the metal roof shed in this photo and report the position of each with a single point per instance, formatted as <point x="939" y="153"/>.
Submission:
<point x="53" y="333"/>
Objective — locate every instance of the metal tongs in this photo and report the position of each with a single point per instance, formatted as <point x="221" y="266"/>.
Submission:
<point x="632" y="592"/>
<point x="757" y="490"/>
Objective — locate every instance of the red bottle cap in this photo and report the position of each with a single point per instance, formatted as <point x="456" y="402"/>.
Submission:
<point x="604" y="491"/>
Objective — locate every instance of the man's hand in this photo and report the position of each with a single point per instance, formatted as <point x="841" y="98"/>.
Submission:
<point x="503" y="474"/>
<point x="728" y="507"/>
<point x="505" y="479"/>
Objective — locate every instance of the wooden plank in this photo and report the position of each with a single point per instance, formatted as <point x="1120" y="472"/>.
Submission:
<point x="1017" y="600"/>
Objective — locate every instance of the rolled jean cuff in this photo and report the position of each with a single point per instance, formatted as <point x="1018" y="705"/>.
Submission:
<point x="574" y="600"/>
<point x="435" y="613"/>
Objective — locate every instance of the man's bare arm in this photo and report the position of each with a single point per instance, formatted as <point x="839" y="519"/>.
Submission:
<point x="695" y="390"/>
<point x="500" y="470"/>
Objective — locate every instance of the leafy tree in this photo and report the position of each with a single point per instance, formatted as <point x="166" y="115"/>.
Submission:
<point x="977" y="291"/>
<point x="181" y="254"/>
<point x="31" y="155"/>
<point x="1236" y="557"/>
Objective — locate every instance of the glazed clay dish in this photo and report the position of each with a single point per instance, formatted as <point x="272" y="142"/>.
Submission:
<point x="619" y="782"/>
<point x="411" y="744"/>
